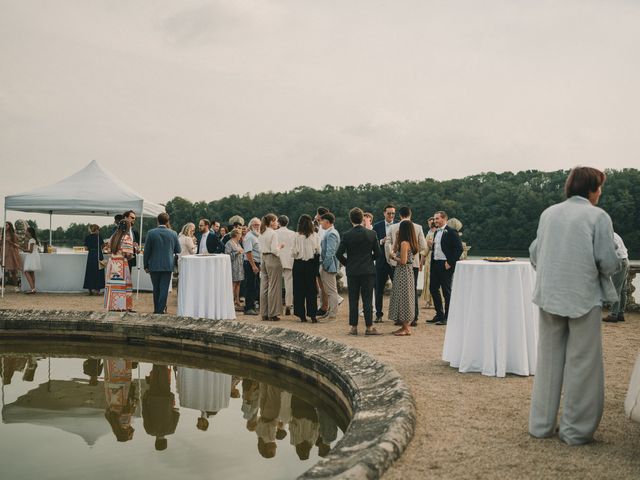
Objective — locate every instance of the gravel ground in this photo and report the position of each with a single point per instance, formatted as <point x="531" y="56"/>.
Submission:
<point x="469" y="426"/>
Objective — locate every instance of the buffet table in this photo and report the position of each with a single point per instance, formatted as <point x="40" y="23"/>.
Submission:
<point x="206" y="287"/>
<point x="493" y="325"/>
<point x="64" y="273"/>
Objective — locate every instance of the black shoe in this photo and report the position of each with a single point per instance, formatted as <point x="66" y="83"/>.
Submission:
<point x="303" y="319"/>
<point x="435" y="319"/>
<point x="378" y="319"/>
<point x="621" y="317"/>
<point x="610" y="319"/>
<point x="274" y="319"/>
<point x="414" y="323"/>
<point x="287" y="311"/>
<point x="321" y="312"/>
<point x="314" y="320"/>
<point x="250" y="312"/>
<point x="441" y="322"/>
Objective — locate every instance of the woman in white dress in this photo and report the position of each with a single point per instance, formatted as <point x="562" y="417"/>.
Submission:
<point x="31" y="259"/>
<point x="187" y="241"/>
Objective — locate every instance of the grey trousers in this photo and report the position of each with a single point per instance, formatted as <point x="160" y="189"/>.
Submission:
<point x="569" y="356"/>
<point x="620" y="282"/>
<point x="270" y="286"/>
<point x="287" y="274"/>
<point x="331" y="289"/>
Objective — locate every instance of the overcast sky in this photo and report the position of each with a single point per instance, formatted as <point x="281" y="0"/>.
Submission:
<point x="207" y="98"/>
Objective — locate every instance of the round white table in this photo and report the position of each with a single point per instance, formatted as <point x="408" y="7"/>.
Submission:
<point x="493" y="324"/>
<point x="205" y="289"/>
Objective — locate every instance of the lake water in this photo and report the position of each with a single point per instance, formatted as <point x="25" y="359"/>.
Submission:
<point x="105" y="417"/>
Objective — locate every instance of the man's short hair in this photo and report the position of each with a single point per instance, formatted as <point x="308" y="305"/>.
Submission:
<point x="404" y="212"/>
<point x="329" y="217"/>
<point x="355" y="215"/>
<point x="127" y="213"/>
<point x="442" y="213"/>
<point x="213" y="221"/>
<point x="322" y="210"/>
<point x="388" y="206"/>
<point x="583" y="180"/>
<point x="163" y="218"/>
<point x="368" y="215"/>
<point x="283" y="220"/>
<point x="117" y="218"/>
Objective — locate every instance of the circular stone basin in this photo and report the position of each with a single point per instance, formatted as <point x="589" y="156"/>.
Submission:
<point x="127" y="412"/>
<point x="367" y="397"/>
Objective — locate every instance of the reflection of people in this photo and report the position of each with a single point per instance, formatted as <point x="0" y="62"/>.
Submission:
<point x="10" y="365"/>
<point x="160" y="417"/>
<point x="267" y="425"/>
<point x="92" y="367"/>
<point x="250" y="403"/>
<point x="202" y="390"/>
<point x="574" y="256"/>
<point x="304" y="426"/>
<point x="121" y="397"/>
<point x="328" y="433"/>
<point x="93" y="274"/>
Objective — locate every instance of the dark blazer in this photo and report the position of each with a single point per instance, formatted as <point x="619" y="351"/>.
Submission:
<point x="362" y="248"/>
<point x="159" y="250"/>
<point x="451" y="245"/>
<point x="136" y="239"/>
<point x="214" y="245"/>
<point x="381" y="233"/>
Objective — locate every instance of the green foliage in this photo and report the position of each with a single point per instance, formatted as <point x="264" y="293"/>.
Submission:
<point x="499" y="211"/>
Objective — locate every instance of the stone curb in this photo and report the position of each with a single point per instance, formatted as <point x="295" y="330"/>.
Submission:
<point x="382" y="409"/>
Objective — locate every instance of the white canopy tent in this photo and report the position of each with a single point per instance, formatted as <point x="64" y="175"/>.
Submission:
<point x="90" y="191"/>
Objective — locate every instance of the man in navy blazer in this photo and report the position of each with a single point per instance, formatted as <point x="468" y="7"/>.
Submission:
<point x="384" y="270"/>
<point x="447" y="248"/>
<point x="160" y="249"/>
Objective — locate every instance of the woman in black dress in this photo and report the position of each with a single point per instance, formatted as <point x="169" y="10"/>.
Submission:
<point x="94" y="275"/>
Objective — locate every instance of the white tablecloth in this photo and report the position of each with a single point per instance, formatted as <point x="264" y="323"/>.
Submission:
<point x="64" y="273"/>
<point x="206" y="287"/>
<point x="493" y="324"/>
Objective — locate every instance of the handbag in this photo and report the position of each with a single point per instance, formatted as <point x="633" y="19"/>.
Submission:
<point x="632" y="402"/>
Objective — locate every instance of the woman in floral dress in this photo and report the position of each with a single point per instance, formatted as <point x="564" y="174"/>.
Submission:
<point x="235" y="251"/>
<point x="118" y="294"/>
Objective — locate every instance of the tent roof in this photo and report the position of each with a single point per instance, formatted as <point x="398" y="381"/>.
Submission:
<point x="90" y="191"/>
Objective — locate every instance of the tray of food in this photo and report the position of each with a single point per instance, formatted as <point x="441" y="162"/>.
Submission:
<point x="498" y="259"/>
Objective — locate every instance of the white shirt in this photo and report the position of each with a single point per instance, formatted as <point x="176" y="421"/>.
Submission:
<point x="305" y="248"/>
<point x="269" y="242"/>
<point x="387" y="227"/>
<point x="438" y="254"/>
<point x="202" y="245"/>
<point x="390" y="241"/>
<point x="285" y="237"/>
<point x="621" y="250"/>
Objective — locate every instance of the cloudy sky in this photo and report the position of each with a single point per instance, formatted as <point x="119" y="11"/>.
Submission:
<point x="211" y="97"/>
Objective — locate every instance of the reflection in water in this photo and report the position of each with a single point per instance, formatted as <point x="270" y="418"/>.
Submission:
<point x="96" y="396"/>
<point x="120" y="393"/>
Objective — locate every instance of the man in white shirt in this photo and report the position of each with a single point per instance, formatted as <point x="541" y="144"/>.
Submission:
<point x="203" y="227"/>
<point x="323" y="294"/>
<point x="130" y="217"/>
<point x="384" y="271"/>
<point x="405" y="214"/>
<point x="285" y="238"/>
<point x="616" y="313"/>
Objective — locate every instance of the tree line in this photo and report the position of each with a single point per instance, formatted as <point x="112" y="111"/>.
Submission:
<point x="499" y="211"/>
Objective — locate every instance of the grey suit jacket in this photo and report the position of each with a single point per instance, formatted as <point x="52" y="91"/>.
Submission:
<point x="574" y="256"/>
<point x="159" y="249"/>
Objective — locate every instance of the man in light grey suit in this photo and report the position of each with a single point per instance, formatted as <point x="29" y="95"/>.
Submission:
<point x="390" y="240"/>
<point x="159" y="249"/>
<point x="574" y="256"/>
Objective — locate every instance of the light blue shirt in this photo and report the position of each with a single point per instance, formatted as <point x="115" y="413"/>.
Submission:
<point x="251" y="244"/>
<point x="574" y="256"/>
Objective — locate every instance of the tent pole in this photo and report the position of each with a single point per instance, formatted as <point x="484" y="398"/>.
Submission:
<point x="50" y="232"/>
<point x="138" y="263"/>
<point x="4" y="248"/>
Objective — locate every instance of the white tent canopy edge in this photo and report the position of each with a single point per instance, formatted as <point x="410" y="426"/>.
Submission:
<point x="90" y="191"/>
